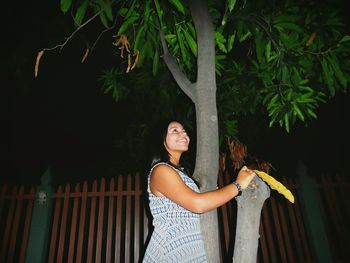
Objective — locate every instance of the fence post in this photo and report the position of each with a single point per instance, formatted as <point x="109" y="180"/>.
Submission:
<point x="312" y="215"/>
<point x="41" y="219"/>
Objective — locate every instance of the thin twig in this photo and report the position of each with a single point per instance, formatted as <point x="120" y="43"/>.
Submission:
<point x="105" y="30"/>
<point x="61" y="46"/>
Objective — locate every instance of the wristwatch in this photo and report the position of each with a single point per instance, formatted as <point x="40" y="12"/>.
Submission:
<point x="239" y="188"/>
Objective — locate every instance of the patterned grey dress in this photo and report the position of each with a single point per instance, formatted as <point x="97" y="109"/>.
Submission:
<point x="177" y="235"/>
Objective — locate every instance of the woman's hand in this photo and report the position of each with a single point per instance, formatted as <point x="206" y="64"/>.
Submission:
<point x="245" y="176"/>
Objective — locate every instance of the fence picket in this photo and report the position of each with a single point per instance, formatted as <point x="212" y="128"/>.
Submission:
<point x="63" y="226"/>
<point x="91" y="236"/>
<point x="302" y="231"/>
<point x="278" y="230"/>
<point x="118" y="231"/>
<point x="2" y="199"/>
<point x="72" y="235"/>
<point x="8" y="227"/>
<point x="263" y="243"/>
<point x="293" y="222"/>
<point x="55" y="223"/>
<point x="12" y="245"/>
<point x="101" y="205"/>
<point x="128" y="220"/>
<point x="118" y="223"/>
<point x="110" y="221"/>
<point x="267" y="222"/>
<point x="137" y="217"/>
<point x="82" y="220"/>
<point x="28" y="216"/>
<point x="334" y="217"/>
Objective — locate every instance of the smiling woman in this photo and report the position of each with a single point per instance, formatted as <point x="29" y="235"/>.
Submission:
<point x="176" y="141"/>
<point x="176" y="202"/>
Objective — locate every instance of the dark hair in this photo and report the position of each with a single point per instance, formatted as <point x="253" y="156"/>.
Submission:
<point x="158" y="152"/>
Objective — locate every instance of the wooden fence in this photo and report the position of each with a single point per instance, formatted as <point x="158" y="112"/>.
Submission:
<point x="109" y="222"/>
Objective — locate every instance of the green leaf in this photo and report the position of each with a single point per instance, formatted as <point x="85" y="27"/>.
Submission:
<point x="259" y="48"/>
<point x="131" y="9"/>
<point x="288" y="40"/>
<point x="108" y="10"/>
<point x="159" y="12"/>
<point x="65" y="5"/>
<point x="191" y="42"/>
<point x="79" y="16"/>
<point x="345" y="38"/>
<point x="127" y="23"/>
<point x="147" y="11"/>
<point x="332" y="60"/>
<point x="245" y="36"/>
<point x="123" y="11"/>
<point x="103" y="19"/>
<point x="231" y="4"/>
<point x="286" y="121"/>
<point x="219" y="37"/>
<point x="171" y="39"/>
<point x="182" y="45"/>
<point x="328" y="77"/>
<point x="298" y="112"/>
<point x="143" y="52"/>
<point x="296" y="78"/>
<point x="268" y="50"/>
<point x="287" y="18"/>
<point x="138" y="37"/>
<point x="289" y="26"/>
<point x="285" y="75"/>
<point x="191" y="28"/>
<point x="231" y="41"/>
<point x="179" y="6"/>
<point x="231" y="128"/>
<point x="273" y="101"/>
<point x="155" y="63"/>
<point x="311" y="113"/>
<point x="220" y="41"/>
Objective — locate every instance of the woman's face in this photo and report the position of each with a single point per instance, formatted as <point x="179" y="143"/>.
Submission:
<point x="176" y="139"/>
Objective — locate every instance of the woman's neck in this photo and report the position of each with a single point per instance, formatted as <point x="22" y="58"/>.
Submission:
<point x="175" y="161"/>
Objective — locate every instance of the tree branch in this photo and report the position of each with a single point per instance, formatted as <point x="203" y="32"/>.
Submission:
<point x="61" y="46"/>
<point x="186" y="86"/>
<point x="205" y="42"/>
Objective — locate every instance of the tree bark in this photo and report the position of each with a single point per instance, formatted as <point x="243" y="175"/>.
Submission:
<point x="249" y="206"/>
<point x="203" y="94"/>
<point x="207" y="155"/>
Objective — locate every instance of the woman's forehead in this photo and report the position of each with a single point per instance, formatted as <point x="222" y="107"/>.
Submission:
<point x="174" y="124"/>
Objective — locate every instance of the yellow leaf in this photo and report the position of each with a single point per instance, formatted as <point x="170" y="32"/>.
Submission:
<point x="38" y="57"/>
<point x="311" y="39"/>
<point x="85" y="55"/>
<point x="276" y="185"/>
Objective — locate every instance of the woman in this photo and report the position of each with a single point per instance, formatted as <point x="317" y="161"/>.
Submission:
<point x="175" y="202"/>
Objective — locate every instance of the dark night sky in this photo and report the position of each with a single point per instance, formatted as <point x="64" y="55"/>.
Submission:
<point x="62" y="119"/>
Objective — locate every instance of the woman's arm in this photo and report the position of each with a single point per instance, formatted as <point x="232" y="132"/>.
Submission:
<point x="165" y="181"/>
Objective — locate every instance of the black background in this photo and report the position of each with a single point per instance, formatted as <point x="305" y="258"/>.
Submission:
<point x="63" y="120"/>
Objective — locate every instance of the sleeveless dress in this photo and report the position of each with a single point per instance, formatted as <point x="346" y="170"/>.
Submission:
<point x="176" y="236"/>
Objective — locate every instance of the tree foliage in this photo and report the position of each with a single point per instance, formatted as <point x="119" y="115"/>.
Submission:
<point x="283" y="57"/>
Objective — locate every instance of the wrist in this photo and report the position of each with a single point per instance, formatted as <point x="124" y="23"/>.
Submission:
<point x="239" y="187"/>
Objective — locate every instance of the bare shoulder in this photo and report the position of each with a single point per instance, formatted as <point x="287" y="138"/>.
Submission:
<point x="163" y="169"/>
<point x="164" y="179"/>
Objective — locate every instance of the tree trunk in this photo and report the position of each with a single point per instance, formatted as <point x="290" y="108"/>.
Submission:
<point x="249" y="206"/>
<point x="207" y="155"/>
<point x="203" y="95"/>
